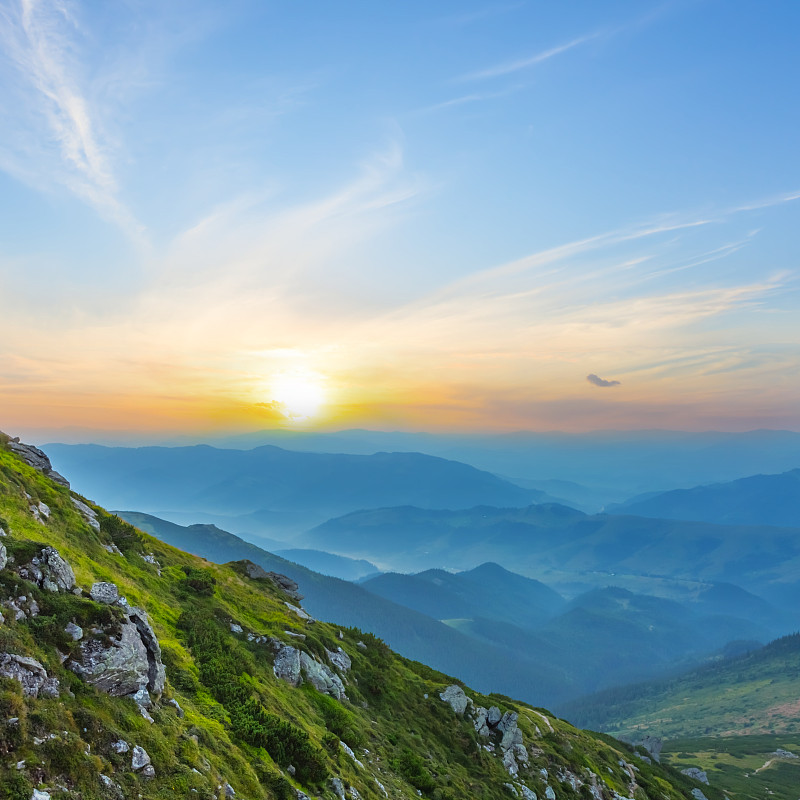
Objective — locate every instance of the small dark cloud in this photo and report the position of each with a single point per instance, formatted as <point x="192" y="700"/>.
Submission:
<point x="601" y="382"/>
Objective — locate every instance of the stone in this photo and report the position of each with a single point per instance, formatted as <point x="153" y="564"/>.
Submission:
<point x="493" y="717"/>
<point x="338" y="788"/>
<point x="3" y="556"/>
<point x="549" y="793"/>
<point x="29" y="673"/>
<point x="139" y="758"/>
<point x="527" y="793"/>
<point x="129" y="665"/>
<point x="454" y="696"/>
<point x="653" y="745"/>
<point x="174" y="703"/>
<point x="35" y="458"/>
<point x="43" y="509"/>
<point x="339" y="659"/>
<point x="89" y="514"/>
<point x="104" y="592"/>
<point x="698" y="795"/>
<point x="75" y="632"/>
<point x="287" y="665"/>
<point x="148" y="772"/>
<point x="235" y="628"/>
<point x="696" y="774"/>
<point x="300" y="612"/>
<point x="361" y="646"/>
<point x="321" y="677"/>
<point x="285" y="584"/>
<point x="350" y="753"/>
<point x="229" y="790"/>
<point x="511" y="788"/>
<point x="481" y="721"/>
<point x="40" y="795"/>
<point x="49" y="571"/>
<point x="120" y="746"/>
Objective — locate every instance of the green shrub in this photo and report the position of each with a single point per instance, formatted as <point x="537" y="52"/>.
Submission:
<point x="413" y="769"/>
<point x="15" y="786"/>
<point x="199" y="580"/>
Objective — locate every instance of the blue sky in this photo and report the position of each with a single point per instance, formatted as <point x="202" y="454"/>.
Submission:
<point x="428" y="214"/>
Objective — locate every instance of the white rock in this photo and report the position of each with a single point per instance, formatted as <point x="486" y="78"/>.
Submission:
<point x="104" y="592"/>
<point x="140" y="758"/>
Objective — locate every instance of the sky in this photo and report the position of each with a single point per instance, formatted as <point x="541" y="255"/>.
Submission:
<point x="446" y="216"/>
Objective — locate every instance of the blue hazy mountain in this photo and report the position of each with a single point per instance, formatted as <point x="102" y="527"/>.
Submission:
<point x="755" y="500"/>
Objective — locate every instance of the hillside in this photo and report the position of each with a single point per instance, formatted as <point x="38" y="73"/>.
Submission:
<point x="210" y="681"/>
<point x="271" y="491"/>
<point x="755" y="500"/>
<point x="753" y="693"/>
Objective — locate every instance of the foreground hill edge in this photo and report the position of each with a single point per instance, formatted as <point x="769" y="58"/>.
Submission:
<point x="132" y="669"/>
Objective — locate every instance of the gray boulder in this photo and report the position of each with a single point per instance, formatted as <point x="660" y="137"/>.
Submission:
<point x="339" y="659"/>
<point x="321" y="677"/>
<point x="30" y="674"/>
<point x="103" y="592"/>
<point x="287" y="664"/>
<point x="75" y="632"/>
<point x="35" y="458"/>
<point x="127" y="665"/>
<point x="454" y="696"/>
<point x="3" y="556"/>
<point x="285" y="584"/>
<point x="49" y="571"/>
<point x="86" y="512"/>
<point x="338" y="788"/>
<point x="140" y="758"/>
<point x="494" y="716"/>
<point x="698" y="795"/>
<point x="696" y="774"/>
<point x="481" y="721"/>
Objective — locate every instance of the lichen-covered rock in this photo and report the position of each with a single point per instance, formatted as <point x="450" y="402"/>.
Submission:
<point x="481" y="721"/>
<point x="49" y="571"/>
<point x="287" y="664"/>
<point x="127" y="664"/>
<point x="75" y="632"/>
<point x="321" y="677"/>
<point x="3" y="556"/>
<point x="35" y="458"/>
<point x="104" y="592"/>
<point x="339" y="659"/>
<point x="139" y="758"/>
<point x="696" y="774"/>
<point x="454" y="696"/>
<point x="30" y="674"/>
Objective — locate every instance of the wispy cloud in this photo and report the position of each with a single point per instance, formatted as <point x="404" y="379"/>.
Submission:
<point x="42" y="41"/>
<point x="508" y="67"/>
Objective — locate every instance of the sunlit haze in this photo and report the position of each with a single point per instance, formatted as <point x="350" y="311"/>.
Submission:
<point x="415" y="216"/>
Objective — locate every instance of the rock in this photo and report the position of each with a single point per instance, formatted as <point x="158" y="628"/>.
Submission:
<point x="129" y="665"/>
<point x="139" y="758"/>
<point x="86" y="512"/>
<point x="236" y="628"/>
<point x="338" y="788"/>
<point x="698" y="795"/>
<point x="294" y="635"/>
<point x="493" y="717"/>
<point x="35" y="458"/>
<point x="481" y="724"/>
<point x="148" y="772"/>
<point x="174" y="703"/>
<point x="781" y="753"/>
<point x="75" y="632"/>
<point x="3" y="556"/>
<point x="322" y="678"/>
<point x="696" y="774"/>
<point x="527" y="793"/>
<point x="229" y="790"/>
<point x="105" y="593"/>
<point x="287" y="665"/>
<point x="350" y="753"/>
<point x="43" y="509"/>
<point x="40" y="795"/>
<point x="339" y="659"/>
<point x="49" y="571"/>
<point x="300" y="613"/>
<point x="28" y="672"/>
<point x="120" y="746"/>
<point x="653" y="745"/>
<point x="285" y="584"/>
<point x="454" y="696"/>
<point x="112" y="548"/>
<point x="511" y="788"/>
<point x="361" y="646"/>
<point x="549" y="793"/>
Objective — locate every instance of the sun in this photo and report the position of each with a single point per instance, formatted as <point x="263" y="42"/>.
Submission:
<point x="299" y="395"/>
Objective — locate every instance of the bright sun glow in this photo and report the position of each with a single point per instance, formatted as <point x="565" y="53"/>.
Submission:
<point x="299" y="395"/>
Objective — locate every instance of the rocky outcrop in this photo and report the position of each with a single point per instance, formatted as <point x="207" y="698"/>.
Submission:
<point x="86" y="512"/>
<point x="454" y="696"/>
<point x="49" y="571"/>
<point x="35" y="458"/>
<point x="126" y="663"/>
<point x="511" y="743"/>
<point x="339" y="659"/>
<point x="696" y="774"/>
<point x="287" y="664"/>
<point x="105" y="593"/>
<point x="285" y="584"/>
<point x="322" y="678"/>
<point x="30" y="674"/>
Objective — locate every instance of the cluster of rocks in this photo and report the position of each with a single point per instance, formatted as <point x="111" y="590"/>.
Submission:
<point x="49" y="571"/>
<point x="86" y="512"/>
<point x="285" y="584"/>
<point x="293" y="665"/>
<point x="30" y="674"/>
<point x="140" y="760"/>
<point x="35" y="458"/>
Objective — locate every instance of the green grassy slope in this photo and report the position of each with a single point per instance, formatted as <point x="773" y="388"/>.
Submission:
<point x="755" y="693"/>
<point x="241" y="725"/>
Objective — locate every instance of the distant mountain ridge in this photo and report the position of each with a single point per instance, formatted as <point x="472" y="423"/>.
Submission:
<point x="272" y="491"/>
<point x="756" y="500"/>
